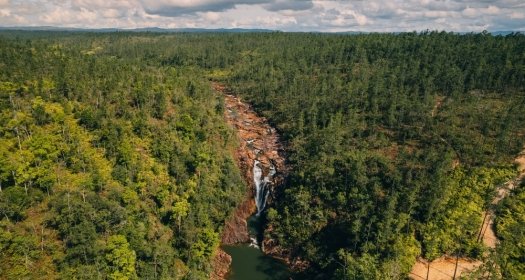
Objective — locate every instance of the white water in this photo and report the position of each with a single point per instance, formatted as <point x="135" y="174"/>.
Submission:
<point x="253" y="243"/>
<point x="261" y="185"/>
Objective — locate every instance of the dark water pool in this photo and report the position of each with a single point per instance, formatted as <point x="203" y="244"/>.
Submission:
<point x="249" y="263"/>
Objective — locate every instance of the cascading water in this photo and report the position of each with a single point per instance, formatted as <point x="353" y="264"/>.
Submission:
<point x="261" y="143"/>
<point x="261" y="185"/>
<point x="254" y="243"/>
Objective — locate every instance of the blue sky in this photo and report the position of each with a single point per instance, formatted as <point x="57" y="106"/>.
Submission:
<point x="286" y="15"/>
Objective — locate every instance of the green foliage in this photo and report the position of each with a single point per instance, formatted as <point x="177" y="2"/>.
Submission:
<point x="363" y="268"/>
<point x="393" y="139"/>
<point x="510" y="254"/>
<point x="464" y="196"/>
<point x="121" y="259"/>
<point x="18" y="253"/>
<point x="13" y="203"/>
<point x="124" y="173"/>
<point x="204" y="247"/>
<point x="115" y="146"/>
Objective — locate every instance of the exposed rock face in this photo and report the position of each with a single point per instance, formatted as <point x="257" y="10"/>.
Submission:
<point x="236" y="229"/>
<point x="258" y="142"/>
<point x="221" y="265"/>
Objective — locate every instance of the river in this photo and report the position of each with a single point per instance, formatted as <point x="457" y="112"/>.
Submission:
<point x="250" y="263"/>
<point x="260" y="159"/>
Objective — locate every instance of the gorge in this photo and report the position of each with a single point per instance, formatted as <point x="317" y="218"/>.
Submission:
<point x="261" y="161"/>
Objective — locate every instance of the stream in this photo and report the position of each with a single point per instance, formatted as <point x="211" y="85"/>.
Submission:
<point x="249" y="262"/>
<point x="260" y="159"/>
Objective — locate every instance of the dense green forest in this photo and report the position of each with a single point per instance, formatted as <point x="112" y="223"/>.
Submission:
<point x="397" y="144"/>
<point x="115" y="161"/>
<point x="112" y="166"/>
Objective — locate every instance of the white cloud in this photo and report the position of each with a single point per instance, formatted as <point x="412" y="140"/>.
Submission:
<point x="470" y="12"/>
<point x="173" y="8"/>
<point x="211" y="16"/>
<point x="69" y="17"/>
<point x="5" y="12"/>
<point x="294" y="5"/>
<point x="492" y="10"/>
<point x="439" y="14"/>
<point x="290" y="15"/>
<point x="516" y="15"/>
<point x="476" y="12"/>
<point x="112" y="13"/>
<point x="361" y="19"/>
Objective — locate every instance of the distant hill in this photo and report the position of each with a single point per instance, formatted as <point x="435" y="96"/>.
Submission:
<point x="199" y="30"/>
<point x="145" y="29"/>
<point x="504" y="33"/>
<point x="227" y="30"/>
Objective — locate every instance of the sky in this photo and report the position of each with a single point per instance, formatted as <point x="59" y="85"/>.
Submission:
<point x="284" y="15"/>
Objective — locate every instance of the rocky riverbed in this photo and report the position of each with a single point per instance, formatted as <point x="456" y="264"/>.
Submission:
<point x="260" y="149"/>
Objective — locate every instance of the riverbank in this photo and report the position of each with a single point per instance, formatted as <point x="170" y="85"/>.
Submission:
<point x="261" y="161"/>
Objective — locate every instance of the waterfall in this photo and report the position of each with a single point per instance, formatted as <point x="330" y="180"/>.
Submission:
<point x="254" y="243"/>
<point x="261" y="185"/>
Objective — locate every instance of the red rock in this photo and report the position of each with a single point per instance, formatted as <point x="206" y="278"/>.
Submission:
<point x="264" y="148"/>
<point x="221" y="265"/>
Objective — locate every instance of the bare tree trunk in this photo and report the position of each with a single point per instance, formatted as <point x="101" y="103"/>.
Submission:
<point x="428" y="269"/>
<point x="482" y="225"/>
<point x="18" y="138"/>
<point x="68" y="205"/>
<point x="12" y="102"/>
<point x="42" y="238"/>
<point x="155" y="264"/>
<point x="456" y="268"/>
<point x="486" y="227"/>
<point x="14" y="177"/>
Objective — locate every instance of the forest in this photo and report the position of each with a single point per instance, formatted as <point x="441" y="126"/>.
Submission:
<point x="116" y="162"/>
